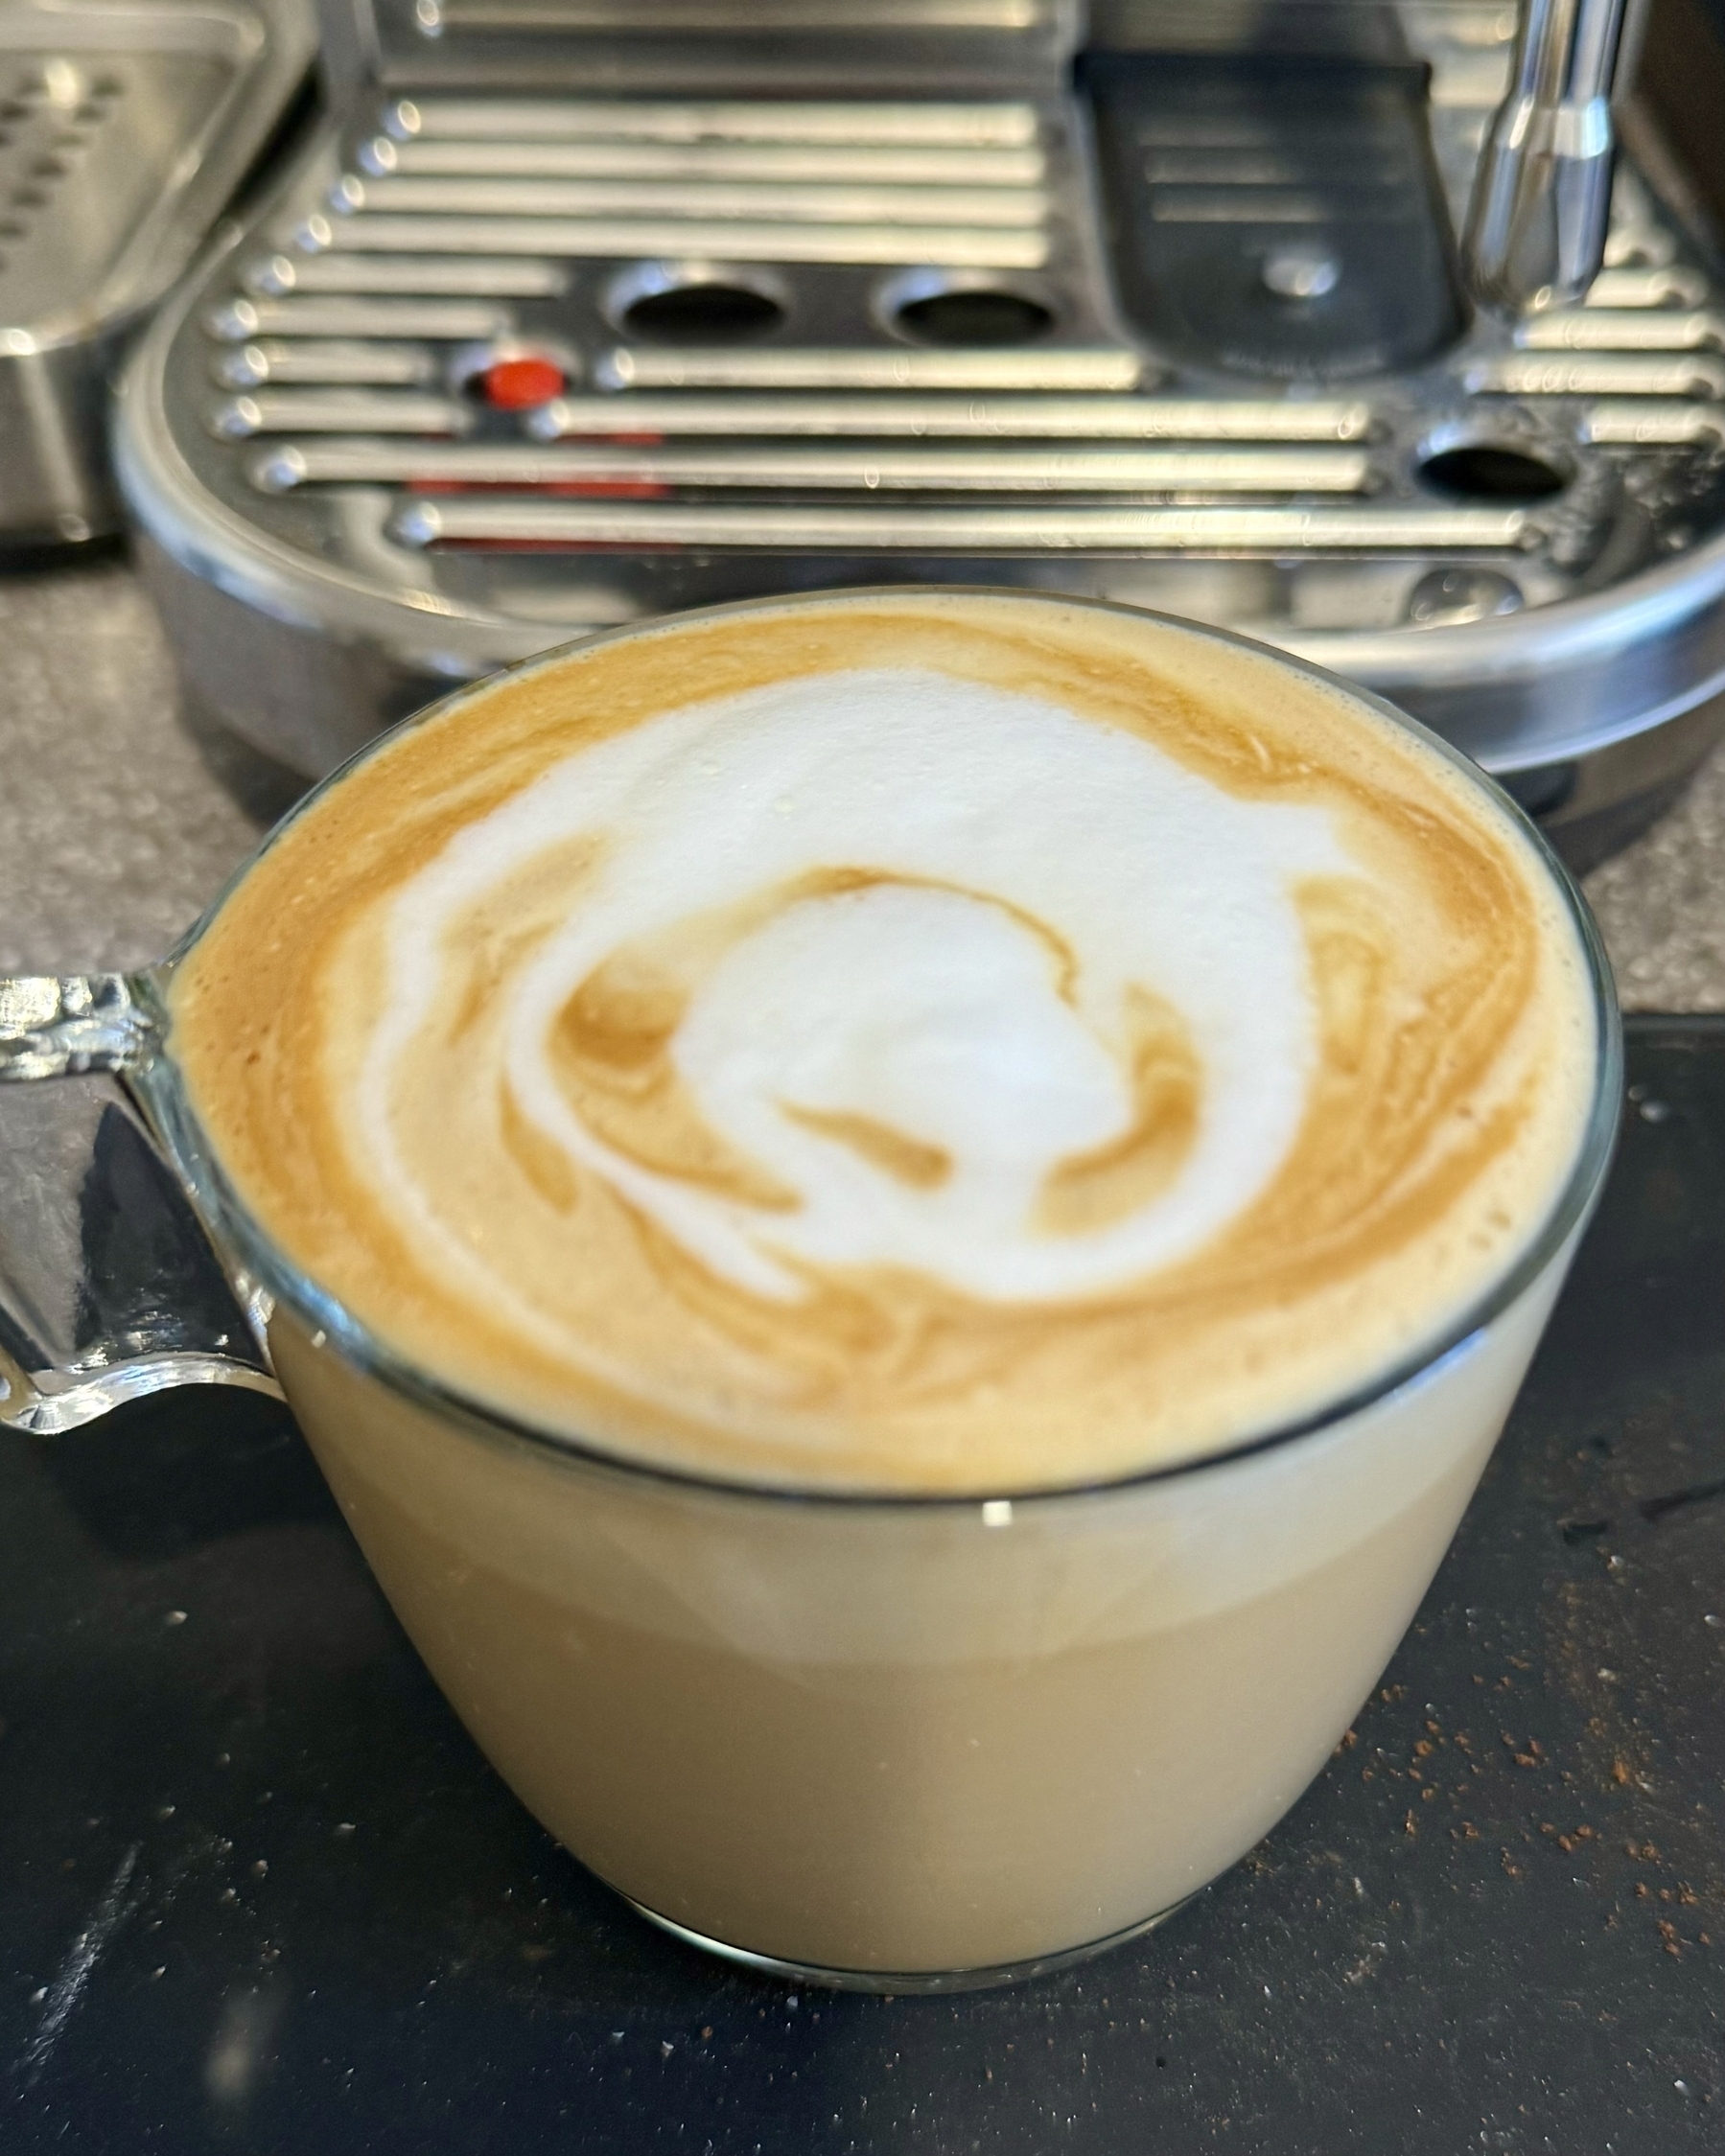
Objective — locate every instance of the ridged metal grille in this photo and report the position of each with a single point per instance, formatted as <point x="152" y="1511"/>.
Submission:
<point x="346" y="365"/>
<point x="579" y="331"/>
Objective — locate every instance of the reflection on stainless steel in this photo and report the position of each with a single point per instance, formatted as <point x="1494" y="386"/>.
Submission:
<point x="337" y="411"/>
<point x="1014" y="208"/>
<point x="1605" y="375"/>
<point x="1625" y="330"/>
<point x="109" y="1289"/>
<point x="956" y="210"/>
<point x="1542" y="197"/>
<point x="1447" y="598"/>
<point x="242" y="319"/>
<point x="875" y="163"/>
<point x="459" y="276"/>
<point x="1636" y="246"/>
<point x="885" y="367"/>
<point x="719" y="400"/>
<point x="1257" y="471"/>
<point x="439" y="16"/>
<point x="1669" y="286"/>
<point x="124" y="128"/>
<point x="502" y="519"/>
<point x="1046" y="417"/>
<point x="1010" y="126"/>
<point x="619" y="238"/>
<point x="1633" y="423"/>
<point x="63" y="1028"/>
<point x="326" y="359"/>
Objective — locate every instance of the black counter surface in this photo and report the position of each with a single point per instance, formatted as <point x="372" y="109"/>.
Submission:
<point x="259" y="1894"/>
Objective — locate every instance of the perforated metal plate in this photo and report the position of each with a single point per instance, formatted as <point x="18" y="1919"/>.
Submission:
<point x="107" y="115"/>
<point x="123" y="129"/>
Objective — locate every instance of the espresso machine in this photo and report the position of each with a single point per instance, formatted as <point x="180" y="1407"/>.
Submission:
<point x="125" y="126"/>
<point x="1386" y="331"/>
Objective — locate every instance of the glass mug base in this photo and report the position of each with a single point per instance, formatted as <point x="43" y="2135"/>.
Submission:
<point x="894" y="1984"/>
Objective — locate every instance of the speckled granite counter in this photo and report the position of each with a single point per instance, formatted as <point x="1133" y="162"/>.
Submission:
<point x="113" y="831"/>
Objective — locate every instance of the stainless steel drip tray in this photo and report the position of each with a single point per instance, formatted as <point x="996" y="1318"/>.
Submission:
<point x="122" y="130"/>
<point x="488" y="373"/>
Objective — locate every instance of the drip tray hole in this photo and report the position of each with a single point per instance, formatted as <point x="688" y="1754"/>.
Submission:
<point x="1492" y="472"/>
<point x="702" y="313"/>
<point x="972" y="319"/>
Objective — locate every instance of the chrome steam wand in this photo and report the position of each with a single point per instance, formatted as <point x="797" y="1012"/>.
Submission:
<point x="1541" y="195"/>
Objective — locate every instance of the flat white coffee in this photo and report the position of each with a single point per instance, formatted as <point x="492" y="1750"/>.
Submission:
<point x="899" y="1042"/>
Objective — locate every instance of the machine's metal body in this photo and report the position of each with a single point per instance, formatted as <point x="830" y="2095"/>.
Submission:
<point x="576" y="311"/>
<point x="125" y="126"/>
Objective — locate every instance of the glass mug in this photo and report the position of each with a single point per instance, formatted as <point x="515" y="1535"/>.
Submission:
<point x="897" y="1744"/>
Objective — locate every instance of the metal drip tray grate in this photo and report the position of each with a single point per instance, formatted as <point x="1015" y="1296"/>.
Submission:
<point x="493" y="370"/>
<point x="833" y="183"/>
<point x="450" y="234"/>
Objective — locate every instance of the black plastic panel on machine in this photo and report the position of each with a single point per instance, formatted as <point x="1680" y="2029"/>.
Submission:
<point x="1282" y="219"/>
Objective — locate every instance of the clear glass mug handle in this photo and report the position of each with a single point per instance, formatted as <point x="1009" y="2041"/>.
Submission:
<point x="109" y="1286"/>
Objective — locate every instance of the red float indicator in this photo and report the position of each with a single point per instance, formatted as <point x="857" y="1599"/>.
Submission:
<point x="519" y="385"/>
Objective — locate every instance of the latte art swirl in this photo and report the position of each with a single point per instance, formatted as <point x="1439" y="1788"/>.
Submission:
<point x="901" y="1042"/>
<point x="956" y="982"/>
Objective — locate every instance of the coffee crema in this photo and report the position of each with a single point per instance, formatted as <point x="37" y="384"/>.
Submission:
<point x="899" y="1042"/>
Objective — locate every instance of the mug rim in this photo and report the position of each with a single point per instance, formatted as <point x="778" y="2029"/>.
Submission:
<point x="268" y="1269"/>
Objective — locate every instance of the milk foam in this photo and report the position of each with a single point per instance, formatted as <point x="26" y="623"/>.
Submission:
<point x="965" y="1009"/>
<point x="899" y="1042"/>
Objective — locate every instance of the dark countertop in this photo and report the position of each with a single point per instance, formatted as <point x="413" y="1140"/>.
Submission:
<point x="260" y="1894"/>
<point x="114" y="833"/>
